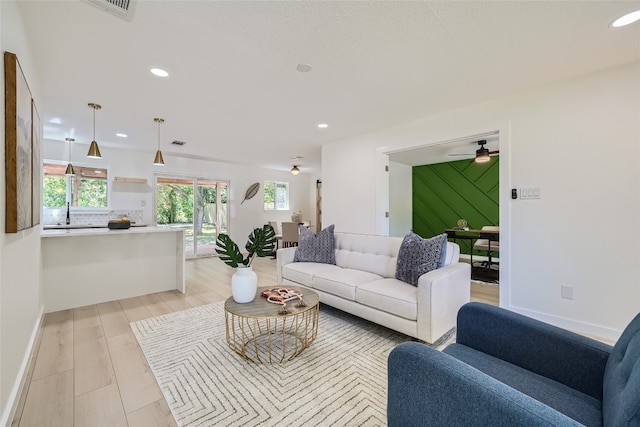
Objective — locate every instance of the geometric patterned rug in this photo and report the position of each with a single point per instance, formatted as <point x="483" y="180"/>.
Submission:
<point x="340" y="380"/>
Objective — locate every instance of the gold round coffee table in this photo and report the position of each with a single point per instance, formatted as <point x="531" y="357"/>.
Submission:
<point x="261" y="332"/>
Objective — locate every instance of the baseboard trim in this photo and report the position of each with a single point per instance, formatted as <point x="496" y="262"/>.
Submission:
<point x="584" y="328"/>
<point x="14" y="401"/>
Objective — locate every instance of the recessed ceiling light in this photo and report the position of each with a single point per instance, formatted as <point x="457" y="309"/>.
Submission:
<point x="56" y="120"/>
<point x="627" y="19"/>
<point x="159" y="72"/>
<point x="323" y="125"/>
<point x="304" y="68"/>
<point x="121" y="135"/>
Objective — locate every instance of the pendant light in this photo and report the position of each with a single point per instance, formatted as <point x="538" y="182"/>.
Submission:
<point x="94" y="151"/>
<point x="70" y="171"/>
<point x="295" y="170"/>
<point x="158" y="160"/>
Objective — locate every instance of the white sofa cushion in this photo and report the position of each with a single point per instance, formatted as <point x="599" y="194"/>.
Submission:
<point x="453" y="253"/>
<point x="390" y="295"/>
<point x="342" y="282"/>
<point x="303" y="272"/>
<point x="376" y="254"/>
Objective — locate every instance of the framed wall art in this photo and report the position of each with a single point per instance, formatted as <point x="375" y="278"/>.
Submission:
<point x="18" y="147"/>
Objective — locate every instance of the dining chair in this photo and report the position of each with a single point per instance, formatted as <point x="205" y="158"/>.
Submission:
<point x="274" y="225"/>
<point x="289" y="234"/>
<point x="483" y="245"/>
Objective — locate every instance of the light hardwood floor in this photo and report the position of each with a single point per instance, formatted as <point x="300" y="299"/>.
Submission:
<point x="88" y="369"/>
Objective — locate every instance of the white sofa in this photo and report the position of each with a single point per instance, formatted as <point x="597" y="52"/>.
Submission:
<point x="363" y="283"/>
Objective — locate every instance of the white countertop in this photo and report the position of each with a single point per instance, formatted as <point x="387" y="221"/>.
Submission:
<point x="70" y="232"/>
<point x="74" y="226"/>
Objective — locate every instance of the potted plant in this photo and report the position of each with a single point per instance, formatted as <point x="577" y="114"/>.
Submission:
<point x="244" y="282"/>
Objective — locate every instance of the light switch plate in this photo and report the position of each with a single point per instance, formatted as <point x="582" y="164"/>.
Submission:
<point x="530" y="193"/>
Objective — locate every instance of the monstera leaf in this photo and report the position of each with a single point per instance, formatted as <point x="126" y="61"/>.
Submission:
<point x="229" y="252"/>
<point x="262" y="242"/>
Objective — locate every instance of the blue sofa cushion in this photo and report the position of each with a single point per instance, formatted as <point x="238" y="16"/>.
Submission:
<point x="621" y="394"/>
<point x="574" y="404"/>
<point x="571" y="359"/>
<point x="431" y="388"/>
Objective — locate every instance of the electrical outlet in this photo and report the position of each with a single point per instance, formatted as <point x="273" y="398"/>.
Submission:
<point x="566" y="292"/>
<point x="143" y="203"/>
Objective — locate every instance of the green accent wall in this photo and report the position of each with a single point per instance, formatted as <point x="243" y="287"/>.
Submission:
<point x="445" y="192"/>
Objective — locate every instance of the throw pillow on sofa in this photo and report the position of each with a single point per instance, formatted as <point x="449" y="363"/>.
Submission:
<point x="418" y="256"/>
<point x="316" y="248"/>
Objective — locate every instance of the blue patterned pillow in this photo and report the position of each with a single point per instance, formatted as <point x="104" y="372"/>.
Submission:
<point x="316" y="248"/>
<point x="418" y="256"/>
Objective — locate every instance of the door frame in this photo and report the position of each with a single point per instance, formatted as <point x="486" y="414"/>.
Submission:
<point x="194" y="179"/>
<point x="382" y="194"/>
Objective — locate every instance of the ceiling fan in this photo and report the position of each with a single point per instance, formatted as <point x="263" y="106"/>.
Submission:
<point x="482" y="154"/>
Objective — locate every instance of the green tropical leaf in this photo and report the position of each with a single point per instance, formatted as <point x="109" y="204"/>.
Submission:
<point x="262" y="242"/>
<point x="229" y="252"/>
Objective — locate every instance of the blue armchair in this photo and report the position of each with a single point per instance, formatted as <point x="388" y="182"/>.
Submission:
<point x="506" y="369"/>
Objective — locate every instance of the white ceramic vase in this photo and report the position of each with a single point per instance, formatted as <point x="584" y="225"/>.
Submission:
<point x="244" y="285"/>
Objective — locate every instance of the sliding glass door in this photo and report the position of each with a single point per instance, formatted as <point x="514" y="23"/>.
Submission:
<point x="196" y="205"/>
<point x="211" y="215"/>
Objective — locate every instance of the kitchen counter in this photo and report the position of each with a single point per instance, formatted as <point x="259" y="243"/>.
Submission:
<point x="85" y="266"/>
<point x="75" y="227"/>
<point x="94" y="231"/>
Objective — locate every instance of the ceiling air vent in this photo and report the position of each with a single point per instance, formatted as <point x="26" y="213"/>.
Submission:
<point x="176" y="142"/>
<point x="120" y="8"/>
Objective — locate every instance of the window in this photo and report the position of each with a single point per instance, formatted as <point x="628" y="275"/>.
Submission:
<point x="87" y="188"/>
<point x="276" y="196"/>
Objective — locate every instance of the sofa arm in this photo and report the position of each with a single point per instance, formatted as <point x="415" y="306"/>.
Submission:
<point x="429" y="388"/>
<point x="566" y="357"/>
<point x="441" y="293"/>
<point x="284" y="256"/>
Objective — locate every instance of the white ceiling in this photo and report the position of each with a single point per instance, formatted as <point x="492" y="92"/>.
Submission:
<point x="234" y="94"/>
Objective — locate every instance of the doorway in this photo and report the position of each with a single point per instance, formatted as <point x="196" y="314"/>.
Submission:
<point x="196" y="205"/>
<point x="396" y="176"/>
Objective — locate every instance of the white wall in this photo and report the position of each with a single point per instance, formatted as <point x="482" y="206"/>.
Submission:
<point x="134" y="164"/>
<point x="579" y="141"/>
<point x="21" y="303"/>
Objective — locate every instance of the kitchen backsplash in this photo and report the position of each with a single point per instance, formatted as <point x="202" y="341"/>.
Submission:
<point x="58" y="216"/>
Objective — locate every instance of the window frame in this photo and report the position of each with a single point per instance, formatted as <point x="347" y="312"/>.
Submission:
<point x="69" y="195"/>
<point x="275" y="207"/>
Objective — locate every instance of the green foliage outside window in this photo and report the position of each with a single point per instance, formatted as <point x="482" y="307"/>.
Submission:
<point x="175" y="203"/>
<point x="269" y="195"/>
<point x="93" y="193"/>
<point x="276" y="195"/>
<point x="89" y="191"/>
<point x="54" y="194"/>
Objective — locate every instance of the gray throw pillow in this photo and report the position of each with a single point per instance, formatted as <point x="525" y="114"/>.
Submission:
<point x="418" y="256"/>
<point x="443" y="254"/>
<point x="316" y="248"/>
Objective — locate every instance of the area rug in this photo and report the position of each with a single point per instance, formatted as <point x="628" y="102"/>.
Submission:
<point x="341" y="380"/>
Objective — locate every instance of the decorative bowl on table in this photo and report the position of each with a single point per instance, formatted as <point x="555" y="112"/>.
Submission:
<point x="119" y="224"/>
